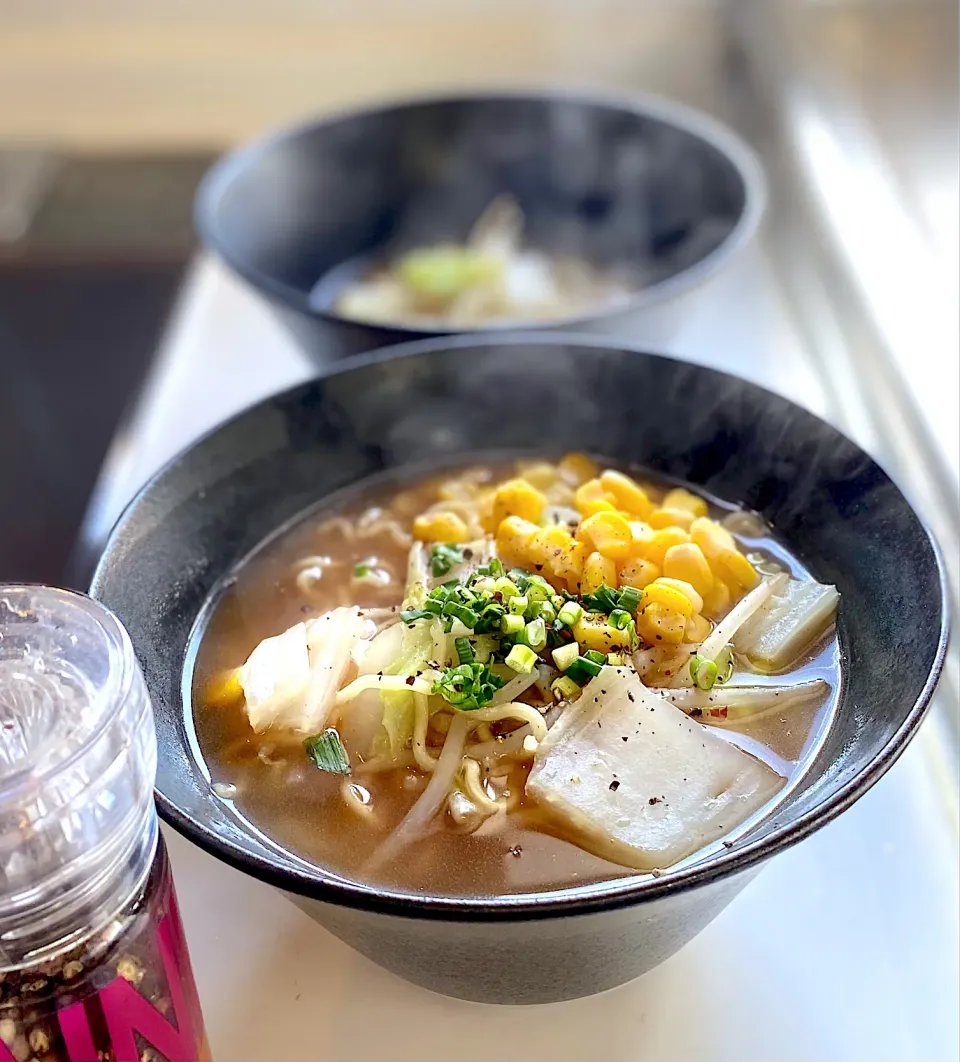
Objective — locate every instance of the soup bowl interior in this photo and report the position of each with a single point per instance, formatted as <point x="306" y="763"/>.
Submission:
<point x="444" y="399"/>
<point x="663" y="192"/>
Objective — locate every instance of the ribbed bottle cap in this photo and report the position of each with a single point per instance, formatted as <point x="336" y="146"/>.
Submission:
<point x="77" y="767"/>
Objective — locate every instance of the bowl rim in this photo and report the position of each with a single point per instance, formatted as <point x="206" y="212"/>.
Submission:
<point x="695" y="122"/>
<point x="619" y="892"/>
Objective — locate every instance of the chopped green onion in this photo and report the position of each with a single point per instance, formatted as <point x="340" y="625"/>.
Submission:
<point x="616" y="659"/>
<point x="582" y="670"/>
<point x="565" y="655"/>
<point x="468" y="686"/>
<point x="535" y="635"/>
<point x="409" y="615"/>
<point x="360" y="571"/>
<point x="512" y="624"/>
<point x="493" y="569"/>
<point x="620" y="619"/>
<point x="485" y="586"/>
<point x="326" y="751"/>
<point x="467" y="616"/>
<point x="629" y="599"/>
<point x="546" y="612"/>
<point x="506" y="588"/>
<point x="596" y="656"/>
<point x="521" y="658"/>
<point x="557" y="601"/>
<point x="520" y="576"/>
<point x="570" y="613"/>
<point x="538" y="589"/>
<point x="489" y="618"/>
<point x="465" y="653"/>
<point x="565" y="689"/>
<point x="703" y="672"/>
<point x="603" y="599"/>
<point x="518" y="605"/>
<point x="443" y="557"/>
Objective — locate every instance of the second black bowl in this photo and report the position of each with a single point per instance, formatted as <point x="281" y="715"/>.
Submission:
<point x="646" y="184"/>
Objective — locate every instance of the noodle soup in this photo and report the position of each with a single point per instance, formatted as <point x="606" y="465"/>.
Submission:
<point x="512" y="679"/>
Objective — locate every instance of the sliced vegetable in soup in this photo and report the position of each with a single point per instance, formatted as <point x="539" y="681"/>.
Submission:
<point x="514" y="679"/>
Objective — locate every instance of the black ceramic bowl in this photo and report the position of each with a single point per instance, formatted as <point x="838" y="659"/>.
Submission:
<point x="441" y="398"/>
<point x="639" y="182"/>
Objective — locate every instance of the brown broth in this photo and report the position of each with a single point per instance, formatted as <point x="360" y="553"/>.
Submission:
<point x="301" y="808"/>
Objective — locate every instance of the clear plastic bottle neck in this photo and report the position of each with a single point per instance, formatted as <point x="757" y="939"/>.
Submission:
<point x="78" y="826"/>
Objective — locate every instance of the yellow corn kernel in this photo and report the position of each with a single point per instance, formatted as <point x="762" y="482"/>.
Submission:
<point x="224" y="690"/>
<point x="547" y="546"/>
<point x="657" y="624"/>
<point x="517" y="497"/>
<point x="661" y="541"/>
<point x="661" y="518"/>
<point x="591" y="498"/>
<point x="440" y="527"/>
<point x="608" y="533"/>
<point x="698" y="628"/>
<point x="566" y="555"/>
<point x="514" y="536"/>
<point x="638" y="573"/>
<point x="593" y="632"/>
<point x="686" y="589"/>
<point x="670" y="595"/>
<point x="484" y="504"/>
<point x="678" y="498"/>
<point x="576" y="469"/>
<point x="539" y="474"/>
<point x="687" y="562"/>
<point x="627" y="493"/>
<point x="711" y="537"/>
<point x="641" y="535"/>
<point x="597" y="570"/>
<point x="717" y="602"/>
<point x="735" y="569"/>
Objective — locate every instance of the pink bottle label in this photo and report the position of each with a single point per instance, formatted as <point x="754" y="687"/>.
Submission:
<point x="128" y="1015"/>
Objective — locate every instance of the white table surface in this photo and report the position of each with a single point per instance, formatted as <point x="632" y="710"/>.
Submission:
<point x="844" y="949"/>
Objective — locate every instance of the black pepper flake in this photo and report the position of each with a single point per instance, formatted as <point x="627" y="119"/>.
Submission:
<point x="539" y="567"/>
<point x="515" y="851"/>
<point x="653" y="800"/>
<point x="624" y="738"/>
<point x="614" y="786"/>
<point x="468" y="554"/>
<point x="411" y="680"/>
<point x="630" y="696"/>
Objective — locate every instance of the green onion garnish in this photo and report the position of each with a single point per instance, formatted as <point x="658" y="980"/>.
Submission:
<point x="443" y="557"/>
<point x="570" y="613"/>
<point x="565" y="689"/>
<point x="468" y="686"/>
<point x="326" y="751"/>
<point x="629" y="599"/>
<point x="603" y="599"/>
<point x="467" y="616"/>
<point x="409" y="615"/>
<point x="518" y="605"/>
<point x="360" y="571"/>
<point x="535" y="635"/>
<point x="703" y="672"/>
<point x="620" y="619"/>
<point x="521" y="658"/>
<point x="596" y="656"/>
<point x="494" y="569"/>
<point x="465" y="653"/>
<point x="583" y="669"/>
<point x="512" y="624"/>
<point x="565" y="655"/>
